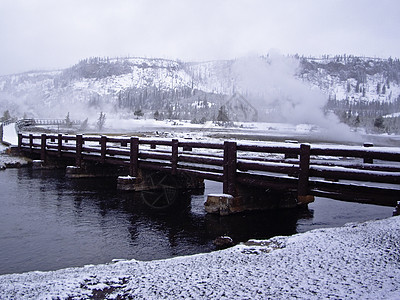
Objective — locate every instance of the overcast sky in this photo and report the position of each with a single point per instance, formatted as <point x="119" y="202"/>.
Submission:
<point x="51" y="34"/>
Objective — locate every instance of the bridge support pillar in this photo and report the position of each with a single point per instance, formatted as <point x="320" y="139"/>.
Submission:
<point x="149" y="180"/>
<point x="76" y="172"/>
<point x="126" y="183"/>
<point x="49" y="164"/>
<point x="250" y="199"/>
<point x="37" y="164"/>
<point x="92" y="171"/>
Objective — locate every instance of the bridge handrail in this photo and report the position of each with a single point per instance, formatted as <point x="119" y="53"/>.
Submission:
<point x="304" y="170"/>
<point x="20" y="124"/>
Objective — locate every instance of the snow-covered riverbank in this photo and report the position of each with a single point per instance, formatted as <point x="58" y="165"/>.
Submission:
<point x="10" y="137"/>
<point x="352" y="262"/>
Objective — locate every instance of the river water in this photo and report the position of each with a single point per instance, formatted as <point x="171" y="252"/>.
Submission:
<point x="50" y="222"/>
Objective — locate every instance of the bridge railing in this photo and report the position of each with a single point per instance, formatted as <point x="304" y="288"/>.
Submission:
<point x="343" y="173"/>
<point x="22" y="123"/>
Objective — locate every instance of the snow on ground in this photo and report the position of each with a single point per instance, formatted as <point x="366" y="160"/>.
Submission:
<point x="355" y="261"/>
<point x="10" y="134"/>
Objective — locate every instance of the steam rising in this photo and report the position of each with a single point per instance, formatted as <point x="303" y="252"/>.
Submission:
<point x="271" y="85"/>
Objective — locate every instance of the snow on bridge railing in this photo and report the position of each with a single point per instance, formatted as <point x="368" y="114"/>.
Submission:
<point x="322" y="170"/>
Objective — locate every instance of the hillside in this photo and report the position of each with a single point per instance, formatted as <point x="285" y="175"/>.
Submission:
<point x="278" y="88"/>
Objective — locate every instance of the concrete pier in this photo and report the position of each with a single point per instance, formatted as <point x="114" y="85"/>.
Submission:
<point x="254" y="199"/>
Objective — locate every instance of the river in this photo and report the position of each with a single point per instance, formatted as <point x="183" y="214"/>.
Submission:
<point x="50" y="222"/>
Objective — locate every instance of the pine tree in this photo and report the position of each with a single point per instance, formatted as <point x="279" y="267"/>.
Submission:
<point x="68" y="122"/>
<point x="84" y="124"/>
<point x="101" y="121"/>
<point x="222" y="115"/>
<point x="378" y="88"/>
<point x="379" y="123"/>
<point x="6" y="116"/>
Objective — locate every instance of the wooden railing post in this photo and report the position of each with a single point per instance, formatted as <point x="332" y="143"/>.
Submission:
<point x="103" y="144"/>
<point x="31" y="142"/>
<point x="368" y="160"/>
<point x="79" y="142"/>
<point x="134" y="157"/>
<point x="59" y="145"/>
<point x="229" y="165"/>
<point x="302" y="189"/>
<point x="43" y="147"/>
<point x="19" y="142"/>
<point x="174" y="157"/>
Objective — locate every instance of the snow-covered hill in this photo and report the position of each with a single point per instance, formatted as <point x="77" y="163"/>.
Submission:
<point x="280" y="88"/>
<point x="354" y="78"/>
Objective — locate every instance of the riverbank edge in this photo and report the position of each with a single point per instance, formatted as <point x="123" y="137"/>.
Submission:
<point x="357" y="260"/>
<point x="10" y="161"/>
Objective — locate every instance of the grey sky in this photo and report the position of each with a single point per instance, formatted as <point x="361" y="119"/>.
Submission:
<point x="50" y="34"/>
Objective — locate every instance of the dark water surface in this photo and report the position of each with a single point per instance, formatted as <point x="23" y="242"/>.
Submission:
<point x="48" y="222"/>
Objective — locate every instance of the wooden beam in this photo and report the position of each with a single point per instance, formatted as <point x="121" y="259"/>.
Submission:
<point x="229" y="165"/>
<point x="43" y="147"/>
<point x="304" y="171"/>
<point x="79" y="142"/>
<point x="174" y="157"/>
<point x="134" y="157"/>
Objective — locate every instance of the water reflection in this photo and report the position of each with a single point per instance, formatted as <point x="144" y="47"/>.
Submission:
<point x="50" y="222"/>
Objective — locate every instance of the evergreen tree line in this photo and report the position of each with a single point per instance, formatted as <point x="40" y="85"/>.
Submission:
<point x="374" y="115"/>
<point x="151" y="98"/>
<point x="348" y="66"/>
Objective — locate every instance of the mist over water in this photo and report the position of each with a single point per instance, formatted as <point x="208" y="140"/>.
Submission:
<point x="271" y="85"/>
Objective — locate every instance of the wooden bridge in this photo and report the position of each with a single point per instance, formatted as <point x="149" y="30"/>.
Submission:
<point x="358" y="174"/>
<point x="22" y="123"/>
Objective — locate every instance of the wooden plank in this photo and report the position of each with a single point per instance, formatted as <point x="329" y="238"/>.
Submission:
<point x="201" y="160"/>
<point x="201" y="145"/>
<point x="359" y="153"/>
<point x="155" y="142"/>
<point x="267" y="181"/>
<point x="355" y="193"/>
<point x="269" y="149"/>
<point x="201" y="174"/>
<point x="274" y="167"/>
<point x="356" y="175"/>
<point x="149" y="155"/>
<point x="118" y="151"/>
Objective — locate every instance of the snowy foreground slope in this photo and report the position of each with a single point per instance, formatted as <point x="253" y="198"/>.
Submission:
<point x="354" y="261"/>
